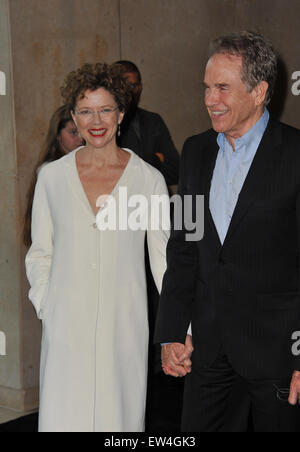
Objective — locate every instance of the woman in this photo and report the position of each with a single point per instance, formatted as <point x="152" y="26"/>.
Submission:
<point x="88" y="284"/>
<point x="62" y="138"/>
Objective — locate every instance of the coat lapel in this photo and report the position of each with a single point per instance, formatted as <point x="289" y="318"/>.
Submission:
<point x="75" y="183"/>
<point x="262" y="164"/>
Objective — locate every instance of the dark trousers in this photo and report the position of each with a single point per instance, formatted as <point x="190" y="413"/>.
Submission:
<point x="207" y="398"/>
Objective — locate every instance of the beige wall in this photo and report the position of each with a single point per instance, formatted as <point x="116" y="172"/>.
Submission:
<point x="168" y="40"/>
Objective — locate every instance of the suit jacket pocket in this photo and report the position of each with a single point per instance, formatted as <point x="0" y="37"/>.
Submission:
<point x="279" y="301"/>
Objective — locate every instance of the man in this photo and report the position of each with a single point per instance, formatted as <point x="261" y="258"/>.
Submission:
<point x="239" y="285"/>
<point x="145" y="132"/>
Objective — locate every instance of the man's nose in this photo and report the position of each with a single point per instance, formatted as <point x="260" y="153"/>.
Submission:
<point x="211" y="97"/>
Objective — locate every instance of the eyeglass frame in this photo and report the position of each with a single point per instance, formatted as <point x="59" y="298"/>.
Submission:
<point x="94" y="113"/>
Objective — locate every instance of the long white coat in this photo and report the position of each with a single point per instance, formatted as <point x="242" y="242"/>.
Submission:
<point x="89" y="288"/>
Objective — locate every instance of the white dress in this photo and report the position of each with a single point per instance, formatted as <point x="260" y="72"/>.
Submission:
<point x="89" y="288"/>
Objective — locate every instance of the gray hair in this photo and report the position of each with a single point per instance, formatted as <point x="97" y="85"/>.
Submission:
<point x="258" y="56"/>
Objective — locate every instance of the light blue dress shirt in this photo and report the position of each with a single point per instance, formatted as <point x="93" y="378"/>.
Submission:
<point x="230" y="172"/>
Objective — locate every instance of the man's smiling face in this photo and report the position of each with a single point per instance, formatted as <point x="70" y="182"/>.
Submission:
<point x="232" y="108"/>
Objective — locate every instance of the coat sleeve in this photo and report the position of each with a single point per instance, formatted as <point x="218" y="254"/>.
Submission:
<point x="39" y="257"/>
<point x="178" y="291"/>
<point x="158" y="231"/>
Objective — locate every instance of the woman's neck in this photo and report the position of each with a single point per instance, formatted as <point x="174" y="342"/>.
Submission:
<point x="100" y="157"/>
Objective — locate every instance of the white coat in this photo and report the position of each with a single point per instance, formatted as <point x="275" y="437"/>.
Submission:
<point x="89" y="288"/>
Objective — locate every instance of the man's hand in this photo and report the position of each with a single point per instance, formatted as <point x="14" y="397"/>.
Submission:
<point x="176" y="358"/>
<point x="295" y="389"/>
<point x="185" y="358"/>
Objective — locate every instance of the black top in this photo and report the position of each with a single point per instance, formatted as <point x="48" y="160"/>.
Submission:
<point x="147" y="135"/>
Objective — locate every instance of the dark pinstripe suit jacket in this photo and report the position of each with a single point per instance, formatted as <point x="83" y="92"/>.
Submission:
<point x="243" y="295"/>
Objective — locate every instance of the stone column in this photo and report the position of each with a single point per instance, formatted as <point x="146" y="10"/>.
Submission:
<point x="13" y="393"/>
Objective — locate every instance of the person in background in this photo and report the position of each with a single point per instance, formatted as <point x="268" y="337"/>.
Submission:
<point x="145" y="132"/>
<point x="62" y="138"/>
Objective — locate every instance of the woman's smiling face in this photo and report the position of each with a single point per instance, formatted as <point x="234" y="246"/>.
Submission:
<point x="97" y="117"/>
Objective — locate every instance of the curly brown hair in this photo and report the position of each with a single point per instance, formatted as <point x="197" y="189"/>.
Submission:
<point x="91" y="77"/>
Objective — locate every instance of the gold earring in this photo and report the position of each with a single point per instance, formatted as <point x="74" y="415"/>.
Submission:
<point x="119" y="130"/>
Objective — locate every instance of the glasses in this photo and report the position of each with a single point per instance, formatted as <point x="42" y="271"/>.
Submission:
<point x="88" y="115"/>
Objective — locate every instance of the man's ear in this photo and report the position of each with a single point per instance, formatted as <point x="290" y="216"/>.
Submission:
<point x="261" y="92"/>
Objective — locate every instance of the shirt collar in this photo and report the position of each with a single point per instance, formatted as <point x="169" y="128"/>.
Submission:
<point x="253" y="135"/>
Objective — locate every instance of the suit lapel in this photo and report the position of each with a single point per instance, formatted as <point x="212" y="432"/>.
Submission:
<point x="208" y="162"/>
<point x="262" y="164"/>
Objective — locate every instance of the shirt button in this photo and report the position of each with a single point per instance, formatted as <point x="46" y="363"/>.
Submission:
<point x="94" y="225"/>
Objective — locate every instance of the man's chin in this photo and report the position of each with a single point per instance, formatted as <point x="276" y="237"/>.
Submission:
<point x="220" y="124"/>
<point x="218" y="128"/>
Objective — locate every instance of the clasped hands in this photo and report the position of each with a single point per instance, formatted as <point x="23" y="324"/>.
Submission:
<point x="176" y="358"/>
<point x="176" y="361"/>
